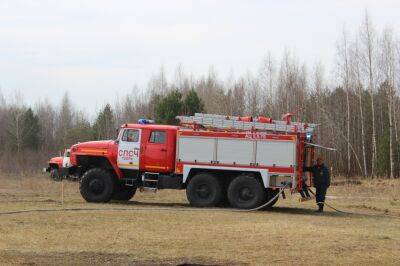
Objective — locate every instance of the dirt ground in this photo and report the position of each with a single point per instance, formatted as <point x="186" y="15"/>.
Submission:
<point x="161" y="228"/>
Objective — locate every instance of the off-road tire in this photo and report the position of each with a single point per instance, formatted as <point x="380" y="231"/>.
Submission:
<point x="246" y="192"/>
<point x="204" y="190"/>
<point x="97" y="185"/>
<point x="123" y="192"/>
<point x="55" y="175"/>
<point x="270" y="193"/>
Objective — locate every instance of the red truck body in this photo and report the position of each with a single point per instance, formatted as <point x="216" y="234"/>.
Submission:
<point x="56" y="162"/>
<point x="238" y="156"/>
<point x="154" y="157"/>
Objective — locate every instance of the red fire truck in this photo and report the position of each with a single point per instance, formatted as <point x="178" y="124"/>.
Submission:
<point x="242" y="161"/>
<point x="56" y="164"/>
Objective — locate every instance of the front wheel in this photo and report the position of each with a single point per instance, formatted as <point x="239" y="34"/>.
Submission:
<point x="246" y="192"/>
<point x="123" y="193"/>
<point x="55" y="175"/>
<point x="96" y="185"/>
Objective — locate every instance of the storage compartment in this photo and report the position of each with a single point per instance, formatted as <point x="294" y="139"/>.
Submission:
<point x="277" y="153"/>
<point x="280" y="180"/>
<point x="235" y="151"/>
<point x="195" y="149"/>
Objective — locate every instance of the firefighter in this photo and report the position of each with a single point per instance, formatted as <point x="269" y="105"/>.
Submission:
<point x="321" y="180"/>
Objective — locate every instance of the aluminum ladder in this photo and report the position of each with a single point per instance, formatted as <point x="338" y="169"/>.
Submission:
<point x="233" y="122"/>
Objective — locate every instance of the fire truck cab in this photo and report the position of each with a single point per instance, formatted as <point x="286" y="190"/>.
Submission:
<point x="147" y="147"/>
<point x="217" y="159"/>
<point x="56" y="164"/>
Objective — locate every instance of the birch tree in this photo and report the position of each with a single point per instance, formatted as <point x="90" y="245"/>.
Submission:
<point x="266" y="78"/>
<point x="65" y="117"/>
<point x="356" y="74"/>
<point x="344" y="76"/>
<point x="47" y="119"/>
<point x="368" y="41"/>
<point x="387" y="63"/>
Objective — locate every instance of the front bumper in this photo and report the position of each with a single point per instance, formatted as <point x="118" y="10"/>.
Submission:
<point x="62" y="172"/>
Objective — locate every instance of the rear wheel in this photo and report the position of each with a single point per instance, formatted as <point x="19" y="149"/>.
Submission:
<point x="123" y="192"/>
<point x="97" y="185"/>
<point x="270" y="195"/>
<point x="204" y="190"/>
<point x="246" y="192"/>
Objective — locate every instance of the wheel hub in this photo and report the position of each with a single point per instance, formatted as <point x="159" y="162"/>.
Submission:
<point x="245" y="194"/>
<point x="203" y="191"/>
<point x="96" y="186"/>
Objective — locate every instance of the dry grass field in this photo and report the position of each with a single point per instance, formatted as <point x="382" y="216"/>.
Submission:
<point x="161" y="228"/>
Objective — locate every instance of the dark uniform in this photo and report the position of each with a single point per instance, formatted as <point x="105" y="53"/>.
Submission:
<point x="322" y="180"/>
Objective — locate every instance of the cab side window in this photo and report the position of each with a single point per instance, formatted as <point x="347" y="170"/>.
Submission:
<point x="157" y="137"/>
<point x="130" y="135"/>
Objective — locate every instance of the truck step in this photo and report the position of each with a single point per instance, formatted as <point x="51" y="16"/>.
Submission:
<point x="148" y="189"/>
<point x="150" y="180"/>
<point x="130" y="182"/>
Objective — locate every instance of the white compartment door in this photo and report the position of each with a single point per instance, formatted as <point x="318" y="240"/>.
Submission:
<point x="278" y="153"/>
<point x="197" y="149"/>
<point x="235" y="151"/>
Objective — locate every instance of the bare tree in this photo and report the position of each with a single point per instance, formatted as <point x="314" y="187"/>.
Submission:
<point x="356" y="74"/>
<point x="47" y="120"/>
<point x="238" y="98"/>
<point x="368" y="40"/>
<point x="266" y="78"/>
<point x="291" y="87"/>
<point x="158" y="83"/>
<point x="65" y="116"/>
<point x="344" y="75"/>
<point x="15" y="128"/>
<point x="253" y="96"/>
<point x="388" y="68"/>
<point x="2" y="99"/>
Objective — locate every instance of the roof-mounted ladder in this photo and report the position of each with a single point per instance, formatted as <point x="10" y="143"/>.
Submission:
<point x="233" y="122"/>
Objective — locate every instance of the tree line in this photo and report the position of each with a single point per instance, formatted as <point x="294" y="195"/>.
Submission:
<point x="357" y="110"/>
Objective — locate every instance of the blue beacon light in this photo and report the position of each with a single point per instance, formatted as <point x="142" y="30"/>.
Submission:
<point x="308" y="136"/>
<point x="144" y="121"/>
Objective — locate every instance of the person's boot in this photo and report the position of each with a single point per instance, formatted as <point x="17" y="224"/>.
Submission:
<point x="320" y="208"/>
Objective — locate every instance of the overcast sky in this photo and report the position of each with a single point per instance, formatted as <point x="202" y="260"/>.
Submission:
<point x="98" y="49"/>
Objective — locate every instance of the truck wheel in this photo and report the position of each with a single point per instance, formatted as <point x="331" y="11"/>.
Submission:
<point x="96" y="185"/>
<point x="123" y="193"/>
<point x="54" y="174"/>
<point x="246" y="192"/>
<point x="269" y="195"/>
<point x="204" y="190"/>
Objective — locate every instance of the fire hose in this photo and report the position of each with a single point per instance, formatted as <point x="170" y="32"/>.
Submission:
<point x="140" y="209"/>
<point x="267" y="203"/>
<point x="281" y="190"/>
<point x="326" y="204"/>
